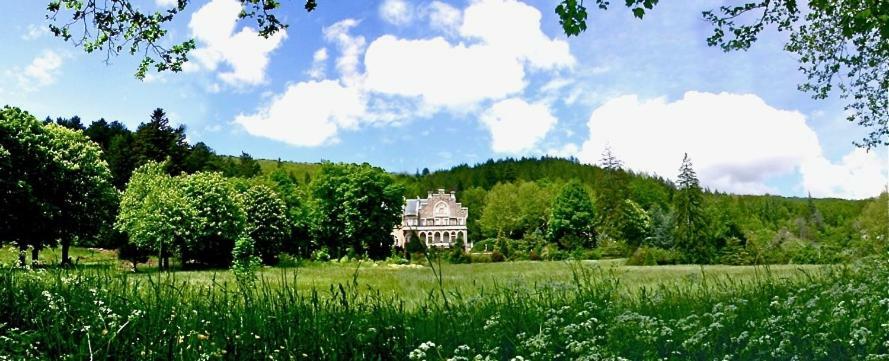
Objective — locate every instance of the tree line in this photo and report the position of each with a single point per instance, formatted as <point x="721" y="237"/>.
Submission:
<point x="149" y="193"/>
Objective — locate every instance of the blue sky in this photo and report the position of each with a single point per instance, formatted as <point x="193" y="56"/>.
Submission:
<point x="408" y="85"/>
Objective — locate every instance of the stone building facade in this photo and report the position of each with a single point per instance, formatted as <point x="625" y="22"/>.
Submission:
<point x="438" y="220"/>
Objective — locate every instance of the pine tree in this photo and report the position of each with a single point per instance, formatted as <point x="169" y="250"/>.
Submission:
<point x="611" y="196"/>
<point x="690" y="233"/>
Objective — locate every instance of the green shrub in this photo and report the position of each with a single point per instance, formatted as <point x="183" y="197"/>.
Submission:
<point x="485" y="245"/>
<point x="610" y="248"/>
<point x="321" y="255"/>
<point x="551" y="252"/>
<point x="496" y="256"/>
<point x="480" y="258"/>
<point x="652" y="256"/>
<point x="586" y="254"/>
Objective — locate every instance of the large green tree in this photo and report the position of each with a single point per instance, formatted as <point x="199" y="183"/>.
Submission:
<point x="267" y="221"/>
<point x="572" y="218"/>
<point x="156" y="140"/>
<point x="26" y="169"/>
<point x="80" y="189"/>
<point x="611" y="196"/>
<point x="356" y="207"/>
<point x="220" y="215"/>
<point x="690" y="234"/>
<point x="155" y="213"/>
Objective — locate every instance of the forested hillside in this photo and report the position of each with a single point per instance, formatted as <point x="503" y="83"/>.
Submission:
<point x="184" y="200"/>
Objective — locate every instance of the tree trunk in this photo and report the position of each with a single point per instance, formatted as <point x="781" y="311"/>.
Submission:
<point x="66" y="245"/>
<point x="35" y="254"/>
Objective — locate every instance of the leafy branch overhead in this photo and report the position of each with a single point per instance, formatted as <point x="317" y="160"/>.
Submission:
<point x="119" y="26"/>
<point x="839" y="43"/>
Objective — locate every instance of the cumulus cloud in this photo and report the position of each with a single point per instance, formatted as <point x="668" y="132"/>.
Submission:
<point x="402" y="79"/>
<point x="488" y="65"/>
<point x="245" y="52"/>
<point x="737" y="142"/>
<point x="166" y="3"/>
<point x="41" y="72"/>
<point x="350" y="47"/>
<point x="516" y="126"/>
<point x="35" y="31"/>
<point x="444" y="17"/>
<point x="319" y="59"/>
<point x="307" y="114"/>
<point x="441" y="74"/>
<point x="396" y="12"/>
<point x="859" y="174"/>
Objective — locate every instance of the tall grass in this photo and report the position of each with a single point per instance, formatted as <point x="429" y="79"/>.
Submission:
<point x="96" y="314"/>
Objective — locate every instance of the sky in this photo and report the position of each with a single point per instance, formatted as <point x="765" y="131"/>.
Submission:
<point x="407" y="85"/>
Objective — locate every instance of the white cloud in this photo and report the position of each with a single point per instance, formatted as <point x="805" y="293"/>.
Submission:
<point x="736" y="142"/>
<point x="404" y="79"/>
<point x="443" y="75"/>
<point x="307" y="114"/>
<point x="396" y="12"/>
<point x="517" y="126"/>
<point x="490" y="67"/>
<point x="41" y="72"/>
<point x="350" y="48"/>
<point x="246" y="53"/>
<point x="319" y="59"/>
<point x="444" y="17"/>
<point x="166" y="3"/>
<point x="34" y="31"/>
<point x="520" y="37"/>
<point x="859" y="174"/>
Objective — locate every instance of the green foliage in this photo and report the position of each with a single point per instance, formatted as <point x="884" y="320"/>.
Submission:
<point x="653" y="256"/>
<point x="572" y="217"/>
<point x="689" y="217"/>
<point x="267" y="221"/>
<point x="220" y="218"/>
<point x="514" y="209"/>
<point x="356" y="207"/>
<point x="156" y="213"/>
<point x="457" y="254"/>
<point x="634" y="223"/>
<point x="873" y="224"/>
<point x="54" y="182"/>
<point x="831" y="314"/>
<point x="245" y="261"/>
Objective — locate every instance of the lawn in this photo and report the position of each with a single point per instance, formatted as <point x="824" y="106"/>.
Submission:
<point x="413" y="283"/>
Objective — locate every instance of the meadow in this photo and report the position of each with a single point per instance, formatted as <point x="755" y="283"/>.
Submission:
<point x="504" y="311"/>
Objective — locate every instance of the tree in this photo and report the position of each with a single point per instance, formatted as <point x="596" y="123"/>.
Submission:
<point x="298" y="212"/>
<point x="840" y="44"/>
<point x="572" y="218"/>
<point x="690" y="233"/>
<point x="155" y="213"/>
<point x="502" y="216"/>
<point x="157" y="141"/>
<point x="267" y="221"/>
<point x="247" y="166"/>
<point x="873" y="223"/>
<point x="635" y="224"/>
<point x="611" y="196"/>
<point x="220" y="218"/>
<point x="81" y="188"/>
<point x="26" y="166"/>
<point x="356" y="207"/>
<point x="474" y="199"/>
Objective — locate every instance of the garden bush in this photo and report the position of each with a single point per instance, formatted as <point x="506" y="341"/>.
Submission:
<point x="653" y="256"/>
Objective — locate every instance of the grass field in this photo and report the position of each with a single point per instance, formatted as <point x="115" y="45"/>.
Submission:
<point x="414" y="282"/>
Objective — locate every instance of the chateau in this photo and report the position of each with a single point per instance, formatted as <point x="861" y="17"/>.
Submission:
<point x="438" y="220"/>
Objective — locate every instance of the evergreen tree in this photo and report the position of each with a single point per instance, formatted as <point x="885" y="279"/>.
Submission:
<point x="690" y="234"/>
<point x="611" y="195"/>
<point x="247" y="166"/>
<point x="156" y="141"/>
